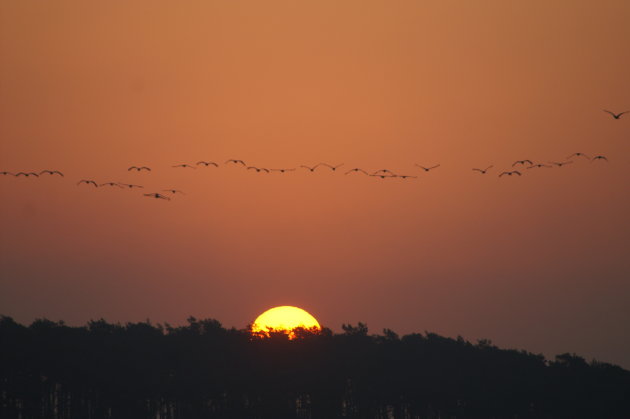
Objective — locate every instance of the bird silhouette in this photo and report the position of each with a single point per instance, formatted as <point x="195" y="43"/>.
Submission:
<point x="406" y="176"/>
<point x="87" y="182"/>
<point x="184" y="165"/>
<point x="579" y="155"/>
<point x="562" y="163"/>
<point x="282" y="170"/>
<point x="522" y="162"/>
<point x="207" y="163"/>
<point x="241" y="162"/>
<point x="174" y="191"/>
<point x="599" y="158"/>
<point x="258" y="169"/>
<point x="538" y="166"/>
<point x="426" y="169"/>
<point x="130" y="186"/>
<point x="615" y="115"/>
<point x="157" y="196"/>
<point x="26" y="174"/>
<point x="356" y="169"/>
<point x="383" y="171"/>
<point x="110" y="184"/>
<point x="383" y="175"/>
<point x="6" y="173"/>
<point x="51" y="172"/>
<point x="483" y="171"/>
<point x="331" y="167"/>
<point x="139" y="168"/>
<point x="312" y="169"/>
<point x="513" y="172"/>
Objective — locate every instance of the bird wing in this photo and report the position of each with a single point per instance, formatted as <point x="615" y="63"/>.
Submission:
<point x="478" y="170"/>
<point x="434" y="167"/>
<point x="517" y="172"/>
<point x="612" y="113"/>
<point x="132" y="167"/>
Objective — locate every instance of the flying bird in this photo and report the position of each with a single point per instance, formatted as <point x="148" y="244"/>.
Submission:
<point x="426" y="169"/>
<point x="383" y="171"/>
<point x="207" y="163"/>
<point x="27" y="174"/>
<point x="130" y="186"/>
<point x="51" y="172"/>
<point x="157" y="196"/>
<point x="356" y="169"/>
<point x="111" y="184"/>
<point x="599" y="158"/>
<point x="312" y="169"/>
<point x="258" y="169"/>
<point x="174" y="191"/>
<point x="333" y="168"/>
<point x="615" y="115"/>
<point x="579" y="155"/>
<point x="538" y="166"/>
<point x="139" y="168"/>
<point x="406" y="176"/>
<point x="241" y="162"/>
<point x="483" y="171"/>
<point x="513" y="172"/>
<point x="522" y="162"/>
<point x="87" y="182"/>
<point x="282" y="170"/>
<point x="562" y="163"/>
<point x="383" y="175"/>
<point x="184" y="165"/>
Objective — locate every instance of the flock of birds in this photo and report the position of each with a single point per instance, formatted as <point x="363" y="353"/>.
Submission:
<point x="381" y="173"/>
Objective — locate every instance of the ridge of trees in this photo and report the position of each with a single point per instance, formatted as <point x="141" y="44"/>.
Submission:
<point x="203" y="370"/>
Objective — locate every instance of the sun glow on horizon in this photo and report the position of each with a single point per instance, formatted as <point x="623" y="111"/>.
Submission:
<point x="284" y="318"/>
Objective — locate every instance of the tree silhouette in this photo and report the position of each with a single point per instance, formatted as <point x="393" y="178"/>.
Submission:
<point x="203" y="370"/>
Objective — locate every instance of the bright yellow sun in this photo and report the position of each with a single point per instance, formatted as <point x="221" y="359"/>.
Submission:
<point x="285" y="319"/>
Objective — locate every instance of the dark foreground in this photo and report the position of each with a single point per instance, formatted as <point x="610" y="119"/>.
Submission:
<point x="102" y="370"/>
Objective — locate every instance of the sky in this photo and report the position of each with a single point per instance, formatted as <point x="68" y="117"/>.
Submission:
<point x="539" y="262"/>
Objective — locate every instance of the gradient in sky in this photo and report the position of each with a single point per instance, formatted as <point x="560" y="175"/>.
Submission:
<point x="539" y="262"/>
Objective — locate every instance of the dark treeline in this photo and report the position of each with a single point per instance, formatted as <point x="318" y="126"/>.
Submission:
<point x="202" y="370"/>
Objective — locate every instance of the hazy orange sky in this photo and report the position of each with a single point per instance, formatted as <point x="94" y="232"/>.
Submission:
<point x="540" y="262"/>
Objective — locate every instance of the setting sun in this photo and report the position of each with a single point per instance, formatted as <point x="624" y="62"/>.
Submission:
<point x="284" y="318"/>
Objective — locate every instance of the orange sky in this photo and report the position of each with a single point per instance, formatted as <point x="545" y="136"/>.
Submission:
<point x="539" y="262"/>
